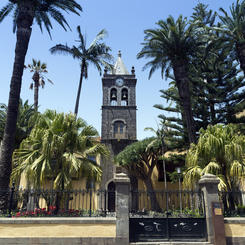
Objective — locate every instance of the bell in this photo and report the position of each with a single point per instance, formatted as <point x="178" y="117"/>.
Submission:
<point x="113" y="96"/>
<point x="124" y="96"/>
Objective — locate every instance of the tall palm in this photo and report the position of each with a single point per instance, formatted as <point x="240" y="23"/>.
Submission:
<point x="38" y="78"/>
<point x="97" y="53"/>
<point x="24" y="13"/>
<point x="171" y="46"/>
<point x="59" y="147"/>
<point x="233" y="29"/>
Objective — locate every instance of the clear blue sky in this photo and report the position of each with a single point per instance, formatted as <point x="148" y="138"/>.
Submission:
<point x="125" y="22"/>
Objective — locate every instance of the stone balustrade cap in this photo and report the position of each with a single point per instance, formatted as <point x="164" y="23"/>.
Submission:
<point x="209" y="179"/>
<point x="121" y="177"/>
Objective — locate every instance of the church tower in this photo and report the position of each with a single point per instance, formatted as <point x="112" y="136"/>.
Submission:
<point x="118" y="114"/>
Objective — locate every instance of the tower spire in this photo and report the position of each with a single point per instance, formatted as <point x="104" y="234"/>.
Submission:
<point x="119" y="67"/>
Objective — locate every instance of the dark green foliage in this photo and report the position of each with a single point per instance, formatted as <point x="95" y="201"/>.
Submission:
<point x="139" y="159"/>
<point x="217" y="87"/>
<point x="138" y="154"/>
<point x="25" y="13"/>
<point x="217" y="84"/>
<point x="176" y="133"/>
<point x="25" y="122"/>
<point x="44" y="11"/>
<point x="171" y="47"/>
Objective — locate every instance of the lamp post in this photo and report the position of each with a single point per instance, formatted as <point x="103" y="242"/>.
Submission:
<point x="178" y="169"/>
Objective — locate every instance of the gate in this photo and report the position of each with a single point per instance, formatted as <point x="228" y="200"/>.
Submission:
<point x="167" y="215"/>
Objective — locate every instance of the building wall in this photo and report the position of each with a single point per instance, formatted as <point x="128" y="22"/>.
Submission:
<point x="58" y="231"/>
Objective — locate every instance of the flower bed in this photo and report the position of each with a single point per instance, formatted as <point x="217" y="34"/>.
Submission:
<point x="52" y="211"/>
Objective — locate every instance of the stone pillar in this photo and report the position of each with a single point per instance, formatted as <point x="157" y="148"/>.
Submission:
<point x="122" y="208"/>
<point x="209" y="185"/>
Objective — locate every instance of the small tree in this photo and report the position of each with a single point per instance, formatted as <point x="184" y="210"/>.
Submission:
<point x="220" y="151"/>
<point x="59" y="148"/>
<point x="140" y="159"/>
<point x="160" y="134"/>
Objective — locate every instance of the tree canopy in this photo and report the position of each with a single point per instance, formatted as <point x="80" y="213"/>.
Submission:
<point x="140" y="159"/>
<point x="220" y="150"/>
<point x="25" y="121"/>
<point x="97" y="54"/>
<point x="171" y="46"/>
<point x="58" y="148"/>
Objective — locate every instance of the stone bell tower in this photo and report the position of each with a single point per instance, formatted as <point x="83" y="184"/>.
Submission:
<point x="118" y="114"/>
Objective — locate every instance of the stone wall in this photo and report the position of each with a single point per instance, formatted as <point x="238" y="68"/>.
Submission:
<point x="99" y="231"/>
<point x="235" y="231"/>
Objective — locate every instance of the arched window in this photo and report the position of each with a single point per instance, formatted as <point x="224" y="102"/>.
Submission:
<point x="113" y="97"/>
<point x="124" y="97"/>
<point x="119" y="129"/>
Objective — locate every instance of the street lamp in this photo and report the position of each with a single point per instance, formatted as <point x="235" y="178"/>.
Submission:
<point x="178" y="170"/>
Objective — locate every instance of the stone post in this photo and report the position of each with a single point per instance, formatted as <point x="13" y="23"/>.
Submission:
<point x="122" y="208"/>
<point x="215" y="228"/>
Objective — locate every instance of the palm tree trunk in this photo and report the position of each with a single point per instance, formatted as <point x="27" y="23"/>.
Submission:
<point x="240" y="49"/>
<point x="24" y="23"/>
<point x="36" y="90"/>
<point x="182" y="82"/>
<point x="79" y="87"/>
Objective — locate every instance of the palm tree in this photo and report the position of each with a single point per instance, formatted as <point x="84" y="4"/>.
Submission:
<point x="24" y="14"/>
<point x="233" y="29"/>
<point x="97" y="54"/>
<point x="59" y="147"/>
<point x="172" y="46"/>
<point x="25" y="122"/>
<point x="38" y="78"/>
<point x="220" y="151"/>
